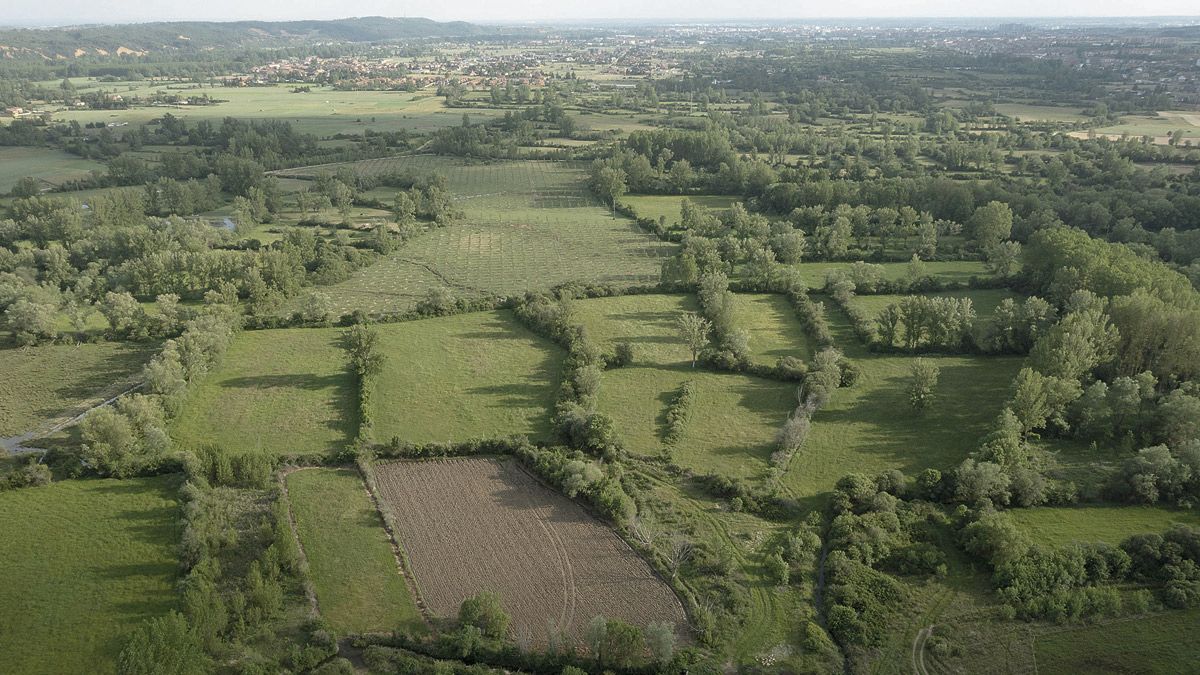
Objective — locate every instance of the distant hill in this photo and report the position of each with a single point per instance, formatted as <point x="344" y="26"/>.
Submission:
<point x="185" y="36"/>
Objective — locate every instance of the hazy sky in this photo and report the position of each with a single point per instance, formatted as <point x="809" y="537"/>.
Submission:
<point x="110" y="11"/>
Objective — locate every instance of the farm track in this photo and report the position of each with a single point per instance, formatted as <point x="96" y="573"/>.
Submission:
<point x="16" y="444"/>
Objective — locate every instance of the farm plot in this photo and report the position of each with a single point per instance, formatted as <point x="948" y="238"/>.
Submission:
<point x="813" y="273"/>
<point x="83" y="564"/>
<point x="1162" y="643"/>
<point x="50" y="167"/>
<point x="645" y="321"/>
<point x="731" y="424"/>
<point x="774" y="330"/>
<point x="528" y="225"/>
<point x="469" y="525"/>
<point x="39" y="385"/>
<point x="1085" y="524"/>
<point x="480" y="375"/>
<point x="358" y="583"/>
<point x="280" y="391"/>
<point x="668" y="206"/>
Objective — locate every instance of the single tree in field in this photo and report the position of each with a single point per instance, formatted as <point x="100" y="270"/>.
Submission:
<point x="694" y="330"/>
<point x="609" y="184"/>
<point x="483" y="610"/>
<point x="362" y="343"/>
<point x="923" y="380"/>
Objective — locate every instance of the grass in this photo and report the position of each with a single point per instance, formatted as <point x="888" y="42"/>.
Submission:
<point x="323" y="111"/>
<point x="83" y="563"/>
<point x="668" y="206"/>
<point x="53" y="167"/>
<point x="985" y="301"/>
<point x="281" y="391"/>
<point x="480" y="375"/>
<point x="41" y="384"/>
<point x="1163" y="643"/>
<point x="528" y="225"/>
<point x="358" y="583"/>
<point x="813" y="273"/>
<point x="1041" y="113"/>
<point x="774" y="330"/>
<point x="645" y="321"/>
<point x="732" y="423"/>
<point x="1092" y="523"/>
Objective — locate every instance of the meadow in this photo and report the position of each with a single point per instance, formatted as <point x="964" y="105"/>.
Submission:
<point x="51" y="167"/>
<point x="479" y="375"/>
<point x="1162" y="643"/>
<point x="528" y="225"/>
<point x="110" y="564"/>
<point x="951" y="271"/>
<point x="1091" y="523"/>
<point x="774" y="330"/>
<point x="285" y="392"/>
<point x="358" y="582"/>
<point x="44" y="385"/>
<point x="475" y="524"/>
<point x="984" y="301"/>
<point x="646" y="322"/>
<point x="668" y="206"/>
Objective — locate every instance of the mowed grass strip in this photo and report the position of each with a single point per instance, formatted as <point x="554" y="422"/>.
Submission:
<point x="645" y="321"/>
<point x="1054" y="526"/>
<point x="479" y="375"/>
<point x="350" y="560"/>
<point x="731" y="425"/>
<point x="286" y="392"/>
<point x="38" y="383"/>
<point x="83" y="563"/>
<point x="813" y="273"/>
<point x="774" y="330"/>
<point x="1163" y="643"/>
<point x="476" y="524"/>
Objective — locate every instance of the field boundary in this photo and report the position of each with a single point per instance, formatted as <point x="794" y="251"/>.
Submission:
<point x="309" y="590"/>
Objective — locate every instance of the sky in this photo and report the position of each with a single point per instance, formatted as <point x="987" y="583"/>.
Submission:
<point x="63" y="12"/>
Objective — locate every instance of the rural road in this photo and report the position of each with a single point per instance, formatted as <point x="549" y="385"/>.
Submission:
<point x="918" y="650"/>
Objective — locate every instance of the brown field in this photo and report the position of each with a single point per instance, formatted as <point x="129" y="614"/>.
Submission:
<point x="469" y="525"/>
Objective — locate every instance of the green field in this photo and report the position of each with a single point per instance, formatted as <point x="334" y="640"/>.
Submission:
<point x="41" y="385"/>
<point x="323" y="111"/>
<point x="52" y="167"/>
<point x="480" y="375"/>
<point x="358" y="582"/>
<point x="774" y="330"/>
<point x="985" y="301"/>
<point x="813" y="273"/>
<point x="668" y="206"/>
<point x="282" y="391"/>
<point x="645" y="321"/>
<point x="83" y="563"/>
<point x="1041" y="113"/>
<point x="1163" y="643"/>
<point x="1110" y="524"/>
<point x="732" y="424"/>
<point x="529" y="225"/>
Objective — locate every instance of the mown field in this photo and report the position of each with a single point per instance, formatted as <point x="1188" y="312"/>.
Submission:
<point x="774" y="330"/>
<point x="350" y="560"/>
<point x="53" y="167"/>
<point x="1110" y="524"/>
<point x="647" y="322"/>
<point x="813" y="273"/>
<point x="469" y="525"/>
<point x="528" y="225"/>
<point x="668" y="206"/>
<point x="39" y="385"/>
<point x="479" y="375"/>
<point x="283" y="392"/>
<point x="83" y="563"/>
<point x="323" y="111"/>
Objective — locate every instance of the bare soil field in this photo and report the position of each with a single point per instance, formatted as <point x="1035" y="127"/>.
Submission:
<point x="475" y="524"/>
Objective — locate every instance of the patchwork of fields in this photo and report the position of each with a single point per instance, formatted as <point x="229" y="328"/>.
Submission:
<point x="469" y="525"/>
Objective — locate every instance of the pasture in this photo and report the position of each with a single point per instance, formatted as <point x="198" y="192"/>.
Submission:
<point x="529" y="225"/>
<point x="1162" y="643"/>
<point x="775" y="332"/>
<point x="350" y="560"/>
<point x="732" y="424"/>
<point x="69" y="600"/>
<point x="668" y="206"/>
<point x="1041" y="113"/>
<point x="1092" y="523"/>
<point x="51" y="167"/>
<point x="957" y="271"/>
<point x="479" y="375"/>
<point x="285" y="392"/>
<point x="984" y="301"/>
<point x="645" y="321"/>
<point x="48" y="384"/>
<point x="469" y="525"/>
<point x="322" y="111"/>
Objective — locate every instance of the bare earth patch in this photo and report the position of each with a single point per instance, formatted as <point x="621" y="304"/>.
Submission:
<point x="469" y="525"/>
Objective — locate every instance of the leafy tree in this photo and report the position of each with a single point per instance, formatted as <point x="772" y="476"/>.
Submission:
<point x="484" y="611"/>
<point x="923" y="378"/>
<point x="164" y="645"/>
<point x="32" y="322"/>
<point x="694" y="330"/>
<point x="990" y="224"/>
<point x="660" y="639"/>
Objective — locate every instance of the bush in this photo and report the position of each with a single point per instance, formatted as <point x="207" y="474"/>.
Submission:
<point x="484" y="611"/>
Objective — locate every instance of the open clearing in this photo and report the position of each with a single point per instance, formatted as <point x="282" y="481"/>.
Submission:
<point x="52" y="167"/>
<point x="1163" y="643"/>
<point x="479" y="375"/>
<point x="528" y="225"/>
<point x="83" y="563"/>
<point x="350" y="560"/>
<point x="1110" y="524"/>
<point x="287" y="392"/>
<point x="469" y="525"/>
<point x="732" y="421"/>
<point x="39" y="385"/>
